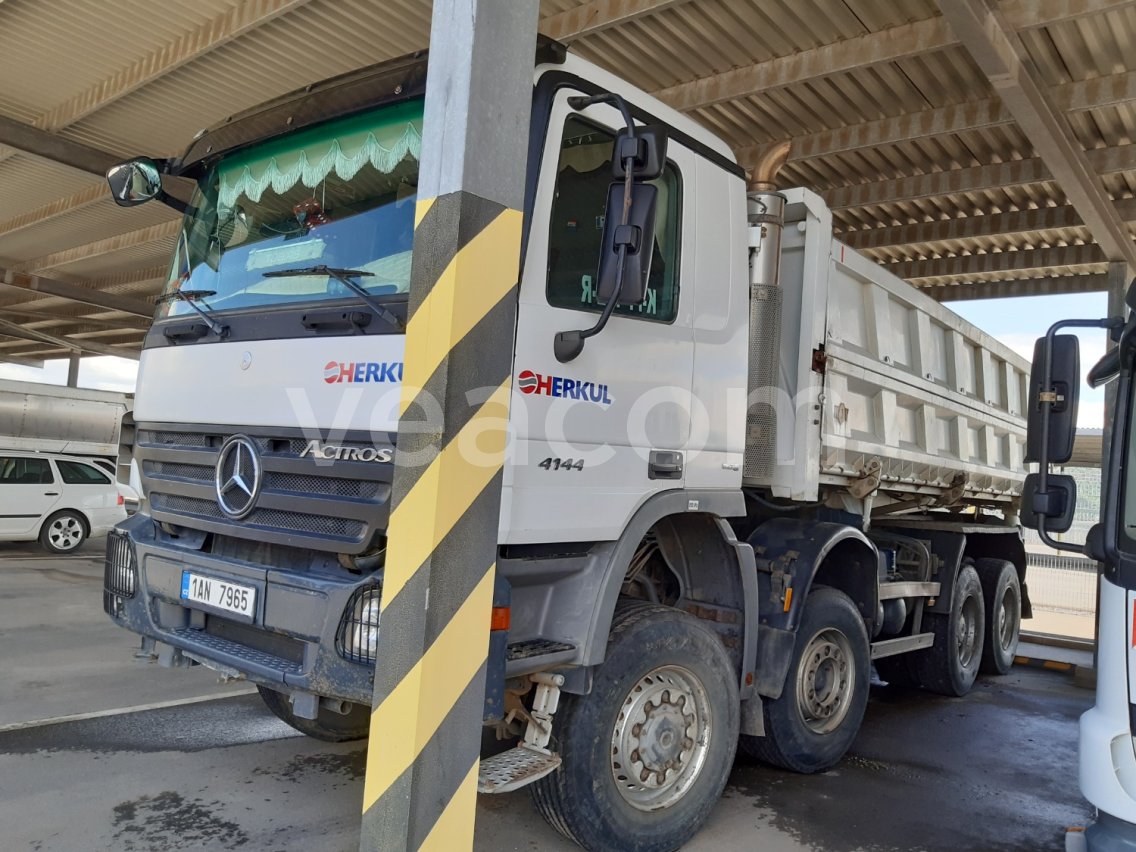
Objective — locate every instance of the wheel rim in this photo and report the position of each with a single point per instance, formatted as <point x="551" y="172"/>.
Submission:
<point x="661" y="738"/>
<point x="1006" y="627"/>
<point x="968" y="631"/>
<point x="65" y="533"/>
<point x="826" y="679"/>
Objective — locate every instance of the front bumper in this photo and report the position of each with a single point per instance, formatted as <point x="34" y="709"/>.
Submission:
<point x="290" y="644"/>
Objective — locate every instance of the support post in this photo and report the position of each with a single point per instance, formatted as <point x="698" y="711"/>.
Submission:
<point x="422" y="763"/>
<point x="73" y="370"/>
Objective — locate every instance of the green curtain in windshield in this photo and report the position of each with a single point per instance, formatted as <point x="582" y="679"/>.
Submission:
<point x="341" y="147"/>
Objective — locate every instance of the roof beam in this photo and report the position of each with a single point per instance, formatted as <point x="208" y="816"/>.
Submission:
<point x="971" y="179"/>
<point x="76" y="293"/>
<point x="170" y="56"/>
<point x="59" y="207"/>
<point x="888" y="45"/>
<point x="10" y="329"/>
<point x="158" y="62"/>
<point x="964" y="228"/>
<point x="958" y="118"/>
<point x="102" y="322"/>
<point x="1001" y="261"/>
<point x="971" y="227"/>
<point x="161" y="231"/>
<point x="1016" y="287"/>
<point x="599" y="15"/>
<point x="36" y="363"/>
<point x="998" y="51"/>
<point x="48" y="146"/>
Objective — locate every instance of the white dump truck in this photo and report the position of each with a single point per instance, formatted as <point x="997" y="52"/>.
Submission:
<point x="772" y="465"/>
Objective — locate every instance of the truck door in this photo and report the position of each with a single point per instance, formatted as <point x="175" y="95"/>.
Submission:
<point x="593" y="437"/>
<point x="28" y="490"/>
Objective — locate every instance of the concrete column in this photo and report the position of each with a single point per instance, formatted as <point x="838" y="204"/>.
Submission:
<point x="73" y="370"/>
<point x="429" y="696"/>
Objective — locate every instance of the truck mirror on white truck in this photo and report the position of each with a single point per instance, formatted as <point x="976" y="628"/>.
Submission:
<point x="639" y="154"/>
<point x="137" y="181"/>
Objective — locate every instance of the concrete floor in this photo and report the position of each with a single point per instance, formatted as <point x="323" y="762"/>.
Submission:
<point x="993" y="771"/>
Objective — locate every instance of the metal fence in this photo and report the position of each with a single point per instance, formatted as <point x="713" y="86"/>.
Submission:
<point x="1062" y="583"/>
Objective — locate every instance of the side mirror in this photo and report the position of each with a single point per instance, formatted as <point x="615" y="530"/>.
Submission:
<point x="1056" y="403"/>
<point x="639" y="237"/>
<point x="134" y="182"/>
<point x="648" y="150"/>
<point x="1056" y="505"/>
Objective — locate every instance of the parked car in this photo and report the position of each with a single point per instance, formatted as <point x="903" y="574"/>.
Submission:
<point x="56" y="499"/>
<point x="129" y="492"/>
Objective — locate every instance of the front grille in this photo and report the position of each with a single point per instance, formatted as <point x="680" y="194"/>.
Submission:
<point x="360" y="620"/>
<point x="333" y="506"/>
<point x="120" y="575"/>
<point x="268" y="518"/>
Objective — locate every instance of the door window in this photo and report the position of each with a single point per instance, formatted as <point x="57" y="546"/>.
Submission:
<point x="15" y="470"/>
<point x="77" y="473"/>
<point x="577" y="220"/>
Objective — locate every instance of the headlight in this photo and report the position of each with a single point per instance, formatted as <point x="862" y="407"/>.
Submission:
<point x="358" y="636"/>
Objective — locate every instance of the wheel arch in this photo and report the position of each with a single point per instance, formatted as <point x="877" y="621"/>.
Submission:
<point x="791" y="556"/>
<point x="570" y="595"/>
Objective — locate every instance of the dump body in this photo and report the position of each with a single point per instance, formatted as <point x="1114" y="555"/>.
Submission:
<point x="870" y="369"/>
<point x="45" y="418"/>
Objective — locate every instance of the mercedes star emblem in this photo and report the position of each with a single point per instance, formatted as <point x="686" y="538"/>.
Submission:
<point x="238" y="477"/>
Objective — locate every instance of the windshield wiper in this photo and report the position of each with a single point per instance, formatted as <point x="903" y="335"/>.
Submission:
<point x="344" y="276"/>
<point x="190" y="297"/>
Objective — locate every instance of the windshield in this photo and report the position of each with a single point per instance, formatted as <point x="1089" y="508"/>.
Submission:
<point x="340" y="195"/>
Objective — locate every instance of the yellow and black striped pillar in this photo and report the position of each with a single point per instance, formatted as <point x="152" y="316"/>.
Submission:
<point x="422" y="761"/>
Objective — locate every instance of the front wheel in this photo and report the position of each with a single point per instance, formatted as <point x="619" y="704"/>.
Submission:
<point x="63" y="532"/>
<point x="812" y="724"/>
<point x="328" y="726"/>
<point x="647" y="752"/>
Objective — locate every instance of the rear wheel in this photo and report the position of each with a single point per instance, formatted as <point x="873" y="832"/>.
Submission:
<point x="812" y="724"/>
<point x="1002" y="594"/>
<point x="63" y="532"/>
<point x="329" y="726"/>
<point x="647" y="752"/>
<point x="950" y="666"/>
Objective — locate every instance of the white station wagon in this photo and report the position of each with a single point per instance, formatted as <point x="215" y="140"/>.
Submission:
<point x="57" y="499"/>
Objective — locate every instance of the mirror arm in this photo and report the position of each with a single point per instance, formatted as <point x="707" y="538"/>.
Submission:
<point x="567" y="345"/>
<point x="173" y="201"/>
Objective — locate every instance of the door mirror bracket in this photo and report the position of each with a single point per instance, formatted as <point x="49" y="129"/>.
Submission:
<point x="628" y="241"/>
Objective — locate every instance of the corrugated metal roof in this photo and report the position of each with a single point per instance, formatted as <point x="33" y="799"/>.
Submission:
<point x="890" y="117"/>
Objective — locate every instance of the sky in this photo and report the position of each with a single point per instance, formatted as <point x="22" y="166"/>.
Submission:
<point x="1015" y="322"/>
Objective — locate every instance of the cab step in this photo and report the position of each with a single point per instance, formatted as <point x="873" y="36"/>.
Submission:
<point x="510" y="770"/>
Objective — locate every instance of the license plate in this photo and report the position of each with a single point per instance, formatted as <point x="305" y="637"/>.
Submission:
<point x="219" y="594"/>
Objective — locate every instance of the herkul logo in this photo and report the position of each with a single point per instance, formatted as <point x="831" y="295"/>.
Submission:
<point x="335" y="372"/>
<point x="560" y="387"/>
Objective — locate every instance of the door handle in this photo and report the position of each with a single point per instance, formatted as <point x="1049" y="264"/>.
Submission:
<point x="50" y="493"/>
<point x="664" y="464"/>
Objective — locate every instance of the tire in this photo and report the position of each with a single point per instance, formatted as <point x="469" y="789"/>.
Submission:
<point x="63" y="532"/>
<point x="950" y="666"/>
<point x="329" y="726"/>
<point x="810" y="727"/>
<point x="1002" y="594"/>
<point x="595" y="798"/>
